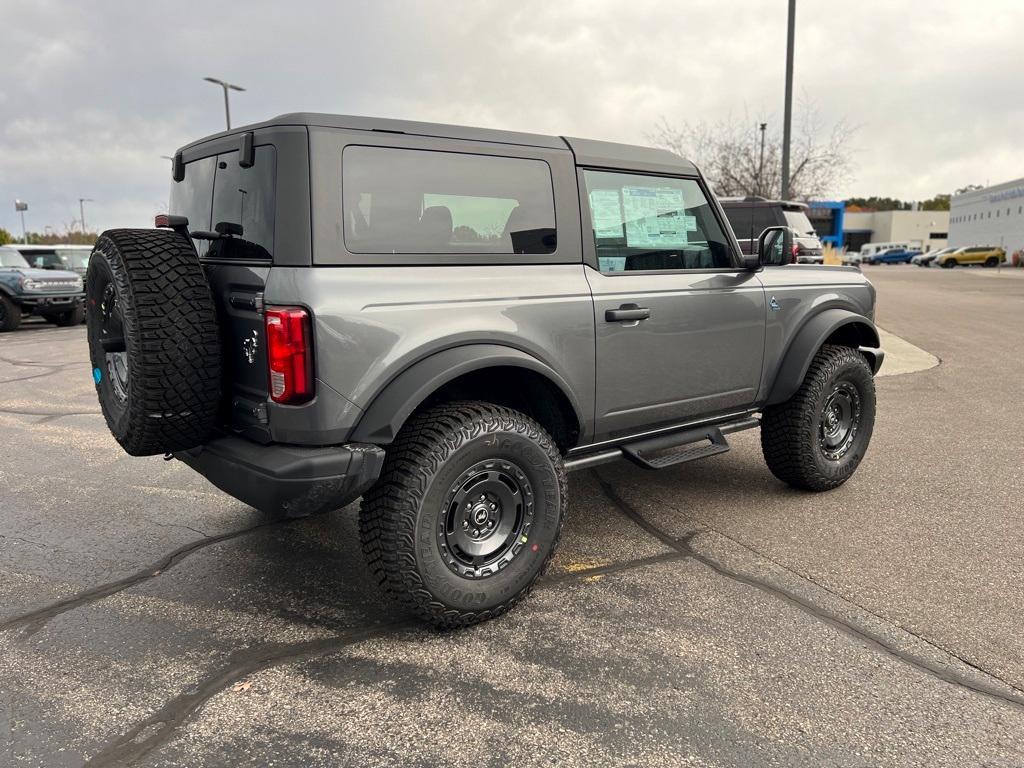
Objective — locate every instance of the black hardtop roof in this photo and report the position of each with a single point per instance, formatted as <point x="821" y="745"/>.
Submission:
<point x="587" y="151"/>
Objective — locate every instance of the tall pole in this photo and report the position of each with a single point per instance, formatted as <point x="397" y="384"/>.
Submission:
<point x="21" y="206"/>
<point x="788" y="115"/>
<point x="227" y="106"/>
<point x="760" y="165"/>
<point x="81" y="209"/>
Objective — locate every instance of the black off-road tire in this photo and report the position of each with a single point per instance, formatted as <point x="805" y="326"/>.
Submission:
<point x="71" y="317"/>
<point x="791" y="433"/>
<point x="10" y="314"/>
<point x="163" y="393"/>
<point x="404" y="516"/>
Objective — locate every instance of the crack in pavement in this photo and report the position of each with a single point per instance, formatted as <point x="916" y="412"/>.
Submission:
<point x="156" y="730"/>
<point x="48" y="415"/>
<point x="847" y="627"/>
<point x="35" y="620"/>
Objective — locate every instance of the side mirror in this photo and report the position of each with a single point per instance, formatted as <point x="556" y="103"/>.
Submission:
<point x="775" y="247"/>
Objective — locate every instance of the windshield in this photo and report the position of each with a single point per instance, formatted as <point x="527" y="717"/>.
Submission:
<point x="11" y="258"/>
<point x="75" y="258"/>
<point x="798" y="220"/>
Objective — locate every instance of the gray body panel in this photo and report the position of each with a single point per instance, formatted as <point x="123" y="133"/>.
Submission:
<point x="391" y="328"/>
<point x="372" y="323"/>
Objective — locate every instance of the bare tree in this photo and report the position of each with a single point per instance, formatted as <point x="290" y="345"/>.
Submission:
<point x="729" y="154"/>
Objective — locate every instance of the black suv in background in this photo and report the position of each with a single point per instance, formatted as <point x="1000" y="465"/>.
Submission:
<point x="750" y="216"/>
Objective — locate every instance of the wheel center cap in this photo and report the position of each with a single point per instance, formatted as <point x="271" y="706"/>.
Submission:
<point x="480" y="514"/>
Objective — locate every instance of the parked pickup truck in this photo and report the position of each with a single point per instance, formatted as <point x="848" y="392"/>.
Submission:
<point x="55" y="295"/>
<point x="445" y="320"/>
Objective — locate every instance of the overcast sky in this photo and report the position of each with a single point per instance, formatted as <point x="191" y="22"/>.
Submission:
<point x="92" y="93"/>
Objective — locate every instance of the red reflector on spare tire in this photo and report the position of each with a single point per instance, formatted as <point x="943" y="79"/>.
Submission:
<point x="289" y="354"/>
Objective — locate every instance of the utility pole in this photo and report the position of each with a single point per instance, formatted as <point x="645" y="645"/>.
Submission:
<point x="20" y="206"/>
<point x="81" y="209"/>
<point x="788" y="114"/>
<point x="760" y="165"/>
<point x="225" y="85"/>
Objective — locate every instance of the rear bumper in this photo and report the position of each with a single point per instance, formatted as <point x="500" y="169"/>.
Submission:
<point x="289" y="480"/>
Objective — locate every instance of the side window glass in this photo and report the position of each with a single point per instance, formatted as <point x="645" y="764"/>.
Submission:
<point x="653" y="223"/>
<point x="408" y="201"/>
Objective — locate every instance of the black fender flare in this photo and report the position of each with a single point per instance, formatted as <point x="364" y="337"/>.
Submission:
<point x="808" y="340"/>
<point x="403" y="394"/>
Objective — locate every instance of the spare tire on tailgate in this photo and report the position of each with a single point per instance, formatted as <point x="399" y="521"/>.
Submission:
<point x="153" y="340"/>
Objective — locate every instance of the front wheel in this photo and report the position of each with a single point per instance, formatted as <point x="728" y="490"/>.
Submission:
<point x="948" y="264"/>
<point x="10" y="314"/>
<point x="466" y="514"/>
<point x="817" y="438"/>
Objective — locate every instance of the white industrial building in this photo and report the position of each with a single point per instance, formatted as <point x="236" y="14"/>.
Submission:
<point x="924" y="229"/>
<point x="992" y="216"/>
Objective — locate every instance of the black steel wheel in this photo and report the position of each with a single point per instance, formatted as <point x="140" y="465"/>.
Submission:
<point x="486" y="519"/>
<point x="466" y="514"/>
<point x="816" y="439"/>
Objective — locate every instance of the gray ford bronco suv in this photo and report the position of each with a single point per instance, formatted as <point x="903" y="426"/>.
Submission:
<point x="446" y="320"/>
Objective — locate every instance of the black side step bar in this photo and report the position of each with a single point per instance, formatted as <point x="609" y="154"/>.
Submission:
<point x="687" y="441"/>
<point x="691" y="445"/>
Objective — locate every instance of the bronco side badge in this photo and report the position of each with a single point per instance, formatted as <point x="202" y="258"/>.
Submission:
<point x="774" y="305"/>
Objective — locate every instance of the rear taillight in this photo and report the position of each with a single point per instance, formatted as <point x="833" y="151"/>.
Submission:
<point x="289" y="354"/>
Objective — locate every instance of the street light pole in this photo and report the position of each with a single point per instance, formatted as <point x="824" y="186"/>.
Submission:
<point x="788" y="115"/>
<point x="81" y="209"/>
<point x="21" y="206"/>
<point x="760" y="165"/>
<point x="225" y="85"/>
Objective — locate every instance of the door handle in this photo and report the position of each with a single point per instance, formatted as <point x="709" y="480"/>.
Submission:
<point x="626" y="313"/>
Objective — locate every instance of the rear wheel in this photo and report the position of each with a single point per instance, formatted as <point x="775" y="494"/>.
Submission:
<point x="153" y="340"/>
<point x="992" y="261"/>
<point x="10" y="314"/>
<point x="466" y="514"/>
<point x="817" y="438"/>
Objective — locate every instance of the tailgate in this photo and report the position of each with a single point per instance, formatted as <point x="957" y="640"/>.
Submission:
<point x="238" y="293"/>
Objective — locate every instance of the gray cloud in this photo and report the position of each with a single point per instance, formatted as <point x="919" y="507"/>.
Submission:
<point x="93" y="93"/>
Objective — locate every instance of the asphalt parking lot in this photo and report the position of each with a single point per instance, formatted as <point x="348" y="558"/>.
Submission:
<point x="704" y="615"/>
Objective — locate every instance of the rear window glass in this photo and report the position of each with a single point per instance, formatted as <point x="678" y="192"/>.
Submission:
<point x="217" y="189"/>
<point x="411" y="201"/>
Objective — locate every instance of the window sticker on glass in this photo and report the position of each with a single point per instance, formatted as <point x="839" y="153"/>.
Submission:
<point x="612" y="263"/>
<point x="654" y="217"/>
<point x="606" y="213"/>
<point x="689" y="223"/>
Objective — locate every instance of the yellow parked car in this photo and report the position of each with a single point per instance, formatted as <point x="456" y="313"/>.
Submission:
<point x="975" y="254"/>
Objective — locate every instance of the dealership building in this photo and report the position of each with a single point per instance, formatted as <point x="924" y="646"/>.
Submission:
<point x="925" y="229"/>
<point x="991" y="216"/>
